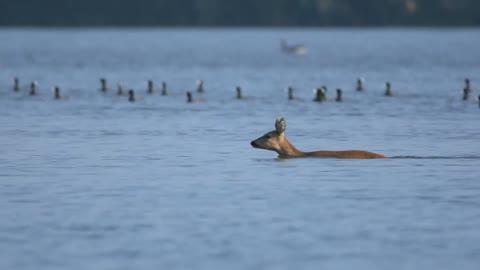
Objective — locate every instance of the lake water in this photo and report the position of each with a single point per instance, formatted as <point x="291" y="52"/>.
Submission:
<point x="96" y="182"/>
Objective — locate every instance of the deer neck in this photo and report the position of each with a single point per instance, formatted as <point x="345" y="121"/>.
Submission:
<point x="288" y="150"/>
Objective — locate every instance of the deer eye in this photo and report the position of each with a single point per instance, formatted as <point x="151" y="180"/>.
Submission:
<point x="267" y="136"/>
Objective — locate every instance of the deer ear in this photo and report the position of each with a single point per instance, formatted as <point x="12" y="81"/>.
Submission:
<point x="280" y="125"/>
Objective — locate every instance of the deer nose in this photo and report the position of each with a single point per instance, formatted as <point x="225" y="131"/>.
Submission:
<point x="253" y="144"/>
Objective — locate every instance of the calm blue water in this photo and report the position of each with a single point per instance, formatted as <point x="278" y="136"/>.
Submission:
<point x="94" y="182"/>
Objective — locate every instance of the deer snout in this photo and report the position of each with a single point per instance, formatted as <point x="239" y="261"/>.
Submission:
<point x="254" y="144"/>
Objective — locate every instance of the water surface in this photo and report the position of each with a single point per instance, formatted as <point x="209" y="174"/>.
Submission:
<point x="96" y="182"/>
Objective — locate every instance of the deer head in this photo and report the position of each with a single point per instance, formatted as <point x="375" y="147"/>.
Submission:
<point x="273" y="140"/>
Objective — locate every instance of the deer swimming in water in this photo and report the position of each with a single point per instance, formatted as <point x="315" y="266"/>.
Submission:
<point x="278" y="142"/>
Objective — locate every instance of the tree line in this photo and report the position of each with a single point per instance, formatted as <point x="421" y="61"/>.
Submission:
<point x="239" y="12"/>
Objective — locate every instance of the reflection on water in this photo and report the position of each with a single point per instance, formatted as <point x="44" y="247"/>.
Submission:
<point x="94" y="181"/>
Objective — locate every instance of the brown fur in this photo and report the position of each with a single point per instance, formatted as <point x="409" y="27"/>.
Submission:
<point x="276" y="141"/>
